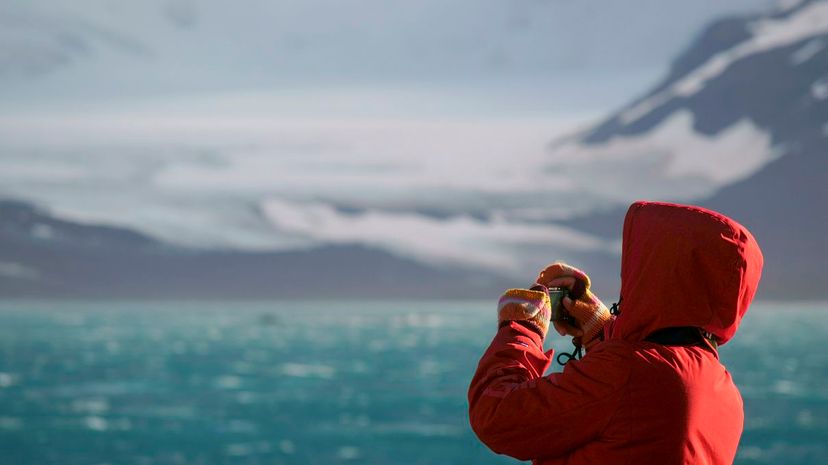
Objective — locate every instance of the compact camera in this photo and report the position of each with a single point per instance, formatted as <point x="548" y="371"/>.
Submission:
<point x="556" y="295"/>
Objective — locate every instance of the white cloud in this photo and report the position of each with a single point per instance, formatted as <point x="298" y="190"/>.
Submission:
<point x="204" y="182"/>
<point x="498" y="244"/>
<point x="198" y="181"/>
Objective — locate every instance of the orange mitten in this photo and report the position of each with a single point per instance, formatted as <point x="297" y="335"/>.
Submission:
<point x="589" y="312"/>
<point x="530" y="306"/>
<point x="591" y="315"/>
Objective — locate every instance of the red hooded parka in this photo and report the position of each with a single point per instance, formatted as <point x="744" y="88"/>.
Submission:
<point x="630" y="401"/>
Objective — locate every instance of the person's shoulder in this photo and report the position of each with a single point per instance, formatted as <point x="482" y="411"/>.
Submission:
<point x="613" y="349"/>
<point x="612" y="359"/>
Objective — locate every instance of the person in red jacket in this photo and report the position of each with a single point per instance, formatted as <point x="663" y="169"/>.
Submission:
<point x="651" y="388"/>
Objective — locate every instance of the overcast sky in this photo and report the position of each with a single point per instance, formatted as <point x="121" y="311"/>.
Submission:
<point x="470" y="57"/>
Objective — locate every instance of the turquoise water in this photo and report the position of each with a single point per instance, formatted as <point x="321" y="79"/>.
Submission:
<point x="324" y="383"/>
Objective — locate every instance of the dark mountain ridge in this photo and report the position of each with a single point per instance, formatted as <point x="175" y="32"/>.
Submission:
<point x="45" y="257"/>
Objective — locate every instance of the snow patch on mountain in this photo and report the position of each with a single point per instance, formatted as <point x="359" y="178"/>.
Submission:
<point x="807" y="51"/>
<point x="819" y="89"/>
<point x="691" y="163"/>
<point x="16" y="270"/>
<point x="767" y="34"/>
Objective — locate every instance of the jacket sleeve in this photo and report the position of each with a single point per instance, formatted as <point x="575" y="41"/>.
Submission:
<point x="517" y="411"/>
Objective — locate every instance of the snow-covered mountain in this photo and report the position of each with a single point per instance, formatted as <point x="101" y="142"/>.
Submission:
<point x="746" y="103"/>
<point x="737" y="99"/>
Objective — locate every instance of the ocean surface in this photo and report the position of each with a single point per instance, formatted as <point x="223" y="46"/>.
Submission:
<point x="324" y="383"/>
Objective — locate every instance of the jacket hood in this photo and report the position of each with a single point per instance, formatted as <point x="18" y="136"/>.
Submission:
<point x="684" y="266"/>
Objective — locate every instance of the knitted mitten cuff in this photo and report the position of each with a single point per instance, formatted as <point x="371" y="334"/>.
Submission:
<point x="530" y="306"/>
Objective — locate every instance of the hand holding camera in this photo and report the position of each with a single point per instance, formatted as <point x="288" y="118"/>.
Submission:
<point x="562" y="296"/>
<point x="579" y="312"/>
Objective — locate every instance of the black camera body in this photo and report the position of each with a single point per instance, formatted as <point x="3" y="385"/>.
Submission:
<point x="556" y="295"/>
